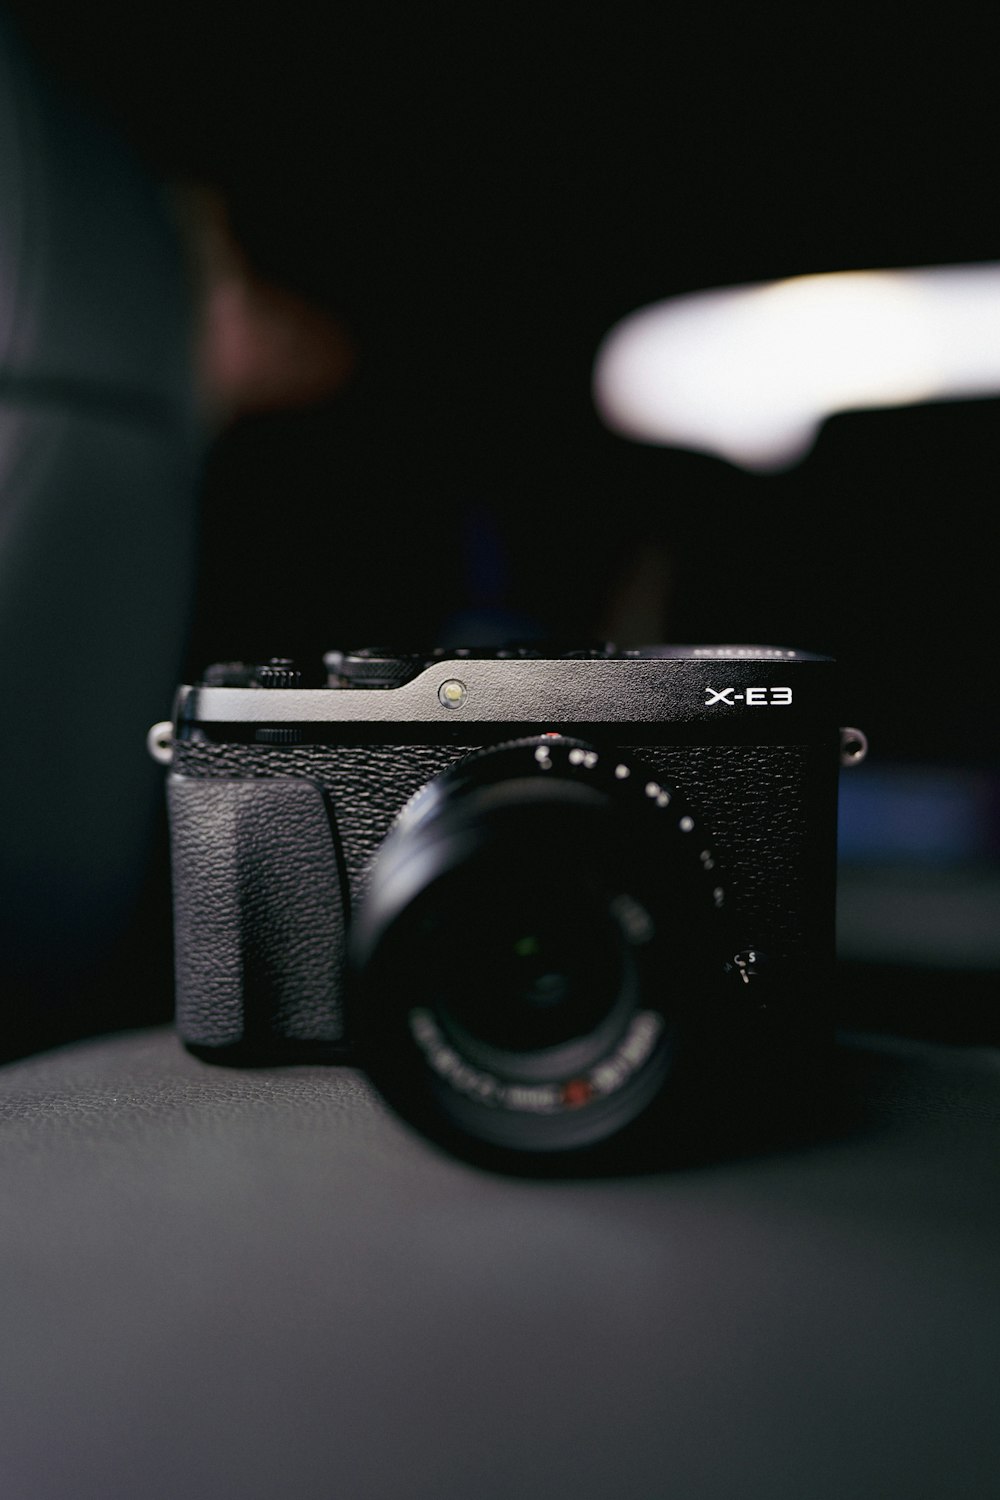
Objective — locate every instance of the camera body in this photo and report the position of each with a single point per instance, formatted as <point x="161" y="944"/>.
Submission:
<point x="690" y="792"/>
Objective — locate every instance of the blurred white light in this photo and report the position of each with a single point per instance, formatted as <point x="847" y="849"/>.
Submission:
<point x="751" y="373"/>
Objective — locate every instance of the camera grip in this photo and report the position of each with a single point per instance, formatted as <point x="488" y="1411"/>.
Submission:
<point x="259" y="912"/>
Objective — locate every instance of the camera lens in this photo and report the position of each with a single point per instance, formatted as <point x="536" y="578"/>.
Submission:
<point x="527" y="989"/>
<point x="536" y="926"/>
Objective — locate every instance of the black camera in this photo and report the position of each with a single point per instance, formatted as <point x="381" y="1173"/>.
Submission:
<point x="540" y="895"/>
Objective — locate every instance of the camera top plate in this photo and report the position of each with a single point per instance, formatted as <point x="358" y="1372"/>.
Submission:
<point x="728" y="692"/>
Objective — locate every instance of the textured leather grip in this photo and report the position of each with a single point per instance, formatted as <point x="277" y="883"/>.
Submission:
<point x="259" y="912"/>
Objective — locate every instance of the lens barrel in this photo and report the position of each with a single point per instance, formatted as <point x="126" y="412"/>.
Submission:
<point x="540" y="932"/>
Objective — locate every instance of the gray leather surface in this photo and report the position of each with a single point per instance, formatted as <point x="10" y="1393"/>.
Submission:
<point x="99" y="457"/>
<point x="95" y="560"/>
<point x="259" y="1284"/>
<point x="94" y="301"/>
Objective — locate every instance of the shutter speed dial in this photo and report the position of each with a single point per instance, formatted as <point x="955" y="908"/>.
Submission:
<point x="278" y="672"/>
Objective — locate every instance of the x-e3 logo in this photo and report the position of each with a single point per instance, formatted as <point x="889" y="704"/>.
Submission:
<point x="752" y="697"/>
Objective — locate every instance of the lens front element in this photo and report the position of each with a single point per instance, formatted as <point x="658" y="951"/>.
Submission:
<point x="541" y="973"/>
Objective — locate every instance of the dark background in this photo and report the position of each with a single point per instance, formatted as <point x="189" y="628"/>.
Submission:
<point x="479" y="194"/>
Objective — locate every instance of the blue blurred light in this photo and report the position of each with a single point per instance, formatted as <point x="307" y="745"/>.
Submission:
<point x="934" y="815"/>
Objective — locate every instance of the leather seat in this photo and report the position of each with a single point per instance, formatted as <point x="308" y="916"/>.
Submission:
<point x="258" y="1283"/>
<point x="99" y="450"/>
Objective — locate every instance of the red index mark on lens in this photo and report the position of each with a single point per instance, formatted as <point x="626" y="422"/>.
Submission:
<point x="578" y="1091"/>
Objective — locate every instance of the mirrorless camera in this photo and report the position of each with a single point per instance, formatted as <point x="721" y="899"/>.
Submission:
<point x="540" y="895"/>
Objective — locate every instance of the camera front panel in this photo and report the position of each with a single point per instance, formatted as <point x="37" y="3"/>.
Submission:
<point x="282" y="803"/>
